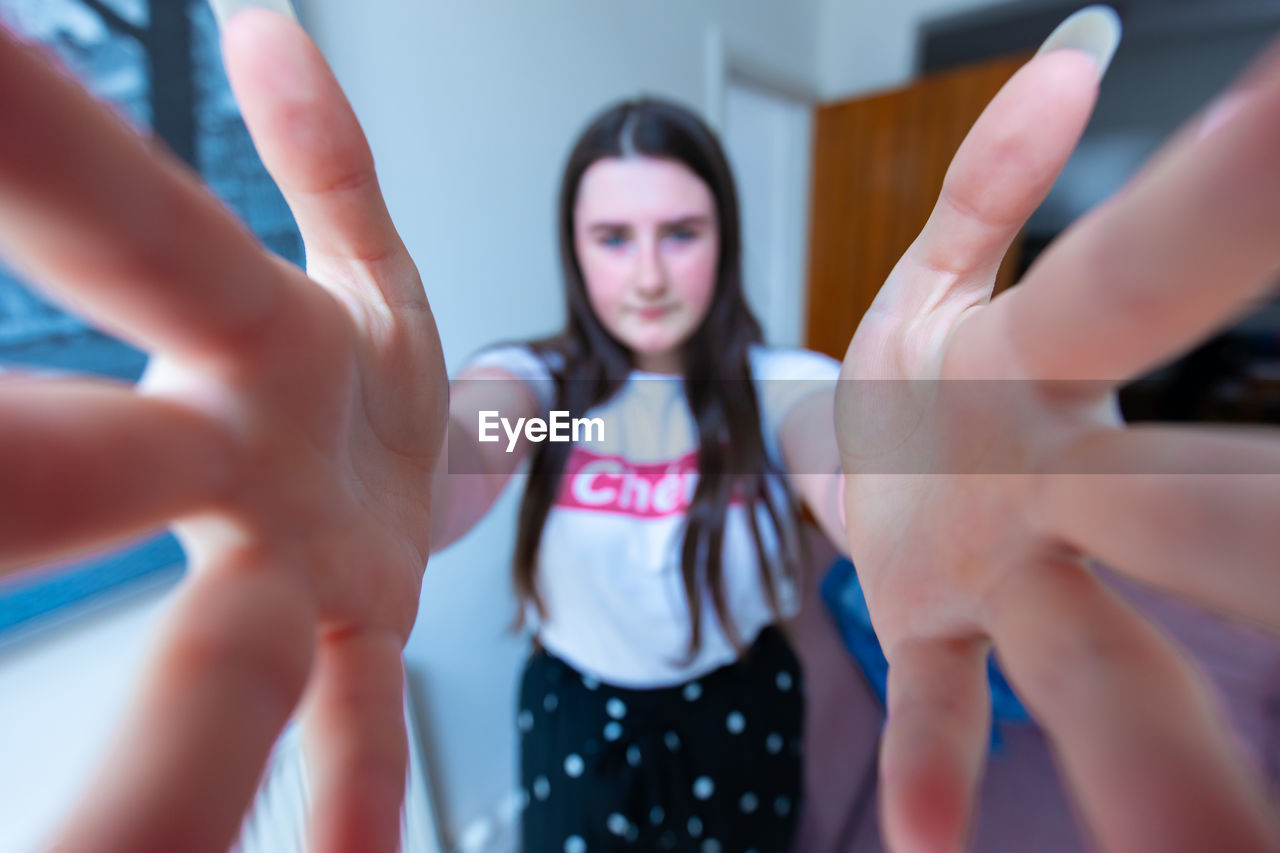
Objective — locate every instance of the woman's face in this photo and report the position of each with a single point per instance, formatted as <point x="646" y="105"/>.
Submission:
<point x="648" y="245"/>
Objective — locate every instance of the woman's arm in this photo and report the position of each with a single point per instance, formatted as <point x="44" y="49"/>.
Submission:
<point x="471" y="473"/>
<point x="812" y="461"/>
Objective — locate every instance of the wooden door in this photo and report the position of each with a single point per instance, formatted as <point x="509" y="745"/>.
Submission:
<point x="877" y="169"/>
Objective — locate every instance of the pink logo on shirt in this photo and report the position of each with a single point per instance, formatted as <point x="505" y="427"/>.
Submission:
<point x="612" y="484"/>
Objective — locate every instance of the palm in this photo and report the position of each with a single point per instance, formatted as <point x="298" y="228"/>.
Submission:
<point x="986" y="462"/>
<point x="330" y="440"/>
<point x="917" y="401"/>
<point x="287" y="427"/>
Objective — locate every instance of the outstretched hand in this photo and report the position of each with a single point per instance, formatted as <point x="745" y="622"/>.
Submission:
<point x="288" y="426"/>
<point x="987" y="466"/>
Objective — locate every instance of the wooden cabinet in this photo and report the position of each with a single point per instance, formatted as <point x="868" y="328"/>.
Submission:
<point x="878" y="166"/>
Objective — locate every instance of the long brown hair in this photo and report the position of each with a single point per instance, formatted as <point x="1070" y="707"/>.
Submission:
<point x="590" y="366"/>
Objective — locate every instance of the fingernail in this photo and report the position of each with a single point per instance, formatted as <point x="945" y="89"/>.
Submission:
<point x="1094" y="30"/>
<point x="223" y="10"/>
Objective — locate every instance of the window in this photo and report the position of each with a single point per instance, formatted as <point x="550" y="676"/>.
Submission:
<point x="159" y="63"/>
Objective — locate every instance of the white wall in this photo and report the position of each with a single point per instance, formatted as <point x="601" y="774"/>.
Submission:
<point x="768" y="138"/>
<point x="470" y="108"/>
<point x="868" y="45"/>
<point x="65" y="688"/>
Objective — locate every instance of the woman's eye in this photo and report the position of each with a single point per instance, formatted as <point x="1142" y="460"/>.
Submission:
<point x="613" y="241"/>
<point x="683" y="235"/>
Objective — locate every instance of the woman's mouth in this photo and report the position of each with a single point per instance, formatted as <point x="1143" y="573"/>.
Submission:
<point x="656" y="313"/>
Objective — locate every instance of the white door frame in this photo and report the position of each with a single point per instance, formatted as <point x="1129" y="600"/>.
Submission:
<point x="785" y="301"/>
<point x="723" y="61"/>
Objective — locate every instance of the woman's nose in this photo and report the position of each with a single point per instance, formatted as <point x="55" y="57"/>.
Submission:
<point x="650" y="274"/>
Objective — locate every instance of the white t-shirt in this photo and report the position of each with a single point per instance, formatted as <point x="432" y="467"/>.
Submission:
<point x="609" y="563"/>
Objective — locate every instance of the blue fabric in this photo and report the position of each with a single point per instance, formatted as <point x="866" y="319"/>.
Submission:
<point x="843" y="596"/>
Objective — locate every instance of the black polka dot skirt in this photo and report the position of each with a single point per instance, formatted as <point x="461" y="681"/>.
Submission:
<point x="711" y="766"/>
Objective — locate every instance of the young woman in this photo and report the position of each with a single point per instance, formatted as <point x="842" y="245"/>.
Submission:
<point x="663" y="709"/>
<point x="290" y="429"/>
